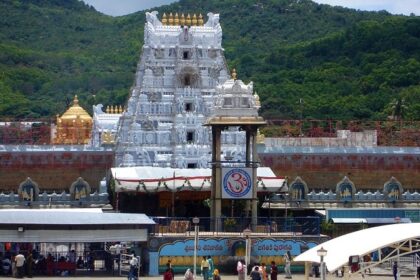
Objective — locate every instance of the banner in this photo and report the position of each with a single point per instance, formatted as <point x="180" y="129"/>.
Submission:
<point x="237" y="183"/>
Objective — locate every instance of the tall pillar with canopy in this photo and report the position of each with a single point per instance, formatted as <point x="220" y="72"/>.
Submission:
<point x="236" y="106"/>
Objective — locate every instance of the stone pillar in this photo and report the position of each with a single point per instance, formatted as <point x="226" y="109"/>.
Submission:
<point x="308" y="267"/>
<point x="248" y="203"/>
<point x="216" y="174"/>
<point x="346" y="272"/>
<point x="251" y="158"/>
<point x="254" y="179"/>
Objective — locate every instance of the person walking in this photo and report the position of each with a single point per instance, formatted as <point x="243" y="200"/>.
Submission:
<point x="395" y="270"/>
<point x="29" y="264"/>
<point x="20" y="265"/>
<point x="211" y="266"/>
<point x="14" y="269"/>
<point x="240" y="268"/>
<point x="170" y="269"/>
<point x="168" y="274"/>
<point x="134" y="263"/>
<point x="216" y="275"/>
<point x="287" y="262"/>
<point x="273" y="271"/>
<point x="205" y="268"/>
<point x="263" y="270"/>
<point x="188" y="275"/>
<point x="255" y="273"/>
<point x="6" y="265"/>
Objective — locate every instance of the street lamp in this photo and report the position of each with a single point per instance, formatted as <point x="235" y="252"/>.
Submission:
<point x="322" y="253"/>
<point x="247" y="234"/>
<point x="195" y="221"/>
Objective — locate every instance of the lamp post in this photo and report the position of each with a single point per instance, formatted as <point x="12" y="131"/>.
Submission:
<point x="322" y="253"/>
<point x="195" y="222"/>
<point x="247" y="234"/>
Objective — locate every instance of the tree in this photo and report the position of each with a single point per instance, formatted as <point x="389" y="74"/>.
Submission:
<point x="398" y="108"/>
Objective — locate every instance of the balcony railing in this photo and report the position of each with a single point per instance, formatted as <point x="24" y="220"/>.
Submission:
<point x="236" y="225"/>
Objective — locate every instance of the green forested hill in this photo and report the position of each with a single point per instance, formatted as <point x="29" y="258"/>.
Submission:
<point x="342" y="63"/>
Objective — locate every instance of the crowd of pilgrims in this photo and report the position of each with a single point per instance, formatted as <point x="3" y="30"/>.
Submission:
<point x="209" y="272"/>
<point x="30" y="263"/>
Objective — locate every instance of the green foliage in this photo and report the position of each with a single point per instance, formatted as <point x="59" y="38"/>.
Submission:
<point x="342" y="63"/>
<point x="328" y="227"/>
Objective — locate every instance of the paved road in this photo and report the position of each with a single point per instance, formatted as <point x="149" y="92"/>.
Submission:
<point x="230" y="277"/>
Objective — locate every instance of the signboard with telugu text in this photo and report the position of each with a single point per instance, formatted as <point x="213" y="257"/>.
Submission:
<point x="228" y="247"/>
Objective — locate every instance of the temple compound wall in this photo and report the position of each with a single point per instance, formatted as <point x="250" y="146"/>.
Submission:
<point x="54" y="168"/>
<point x="322" y="162"/>
<point x="368" y="168"/>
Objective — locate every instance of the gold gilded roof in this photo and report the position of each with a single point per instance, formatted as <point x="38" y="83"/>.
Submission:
<point x="76" y="111"/>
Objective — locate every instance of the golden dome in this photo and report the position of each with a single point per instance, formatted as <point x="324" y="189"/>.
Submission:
<point x="74" y="126"/>
<point x="75" y="111"/>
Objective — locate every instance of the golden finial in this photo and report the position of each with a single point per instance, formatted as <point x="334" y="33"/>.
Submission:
<point x="260" y="137"/>
<point x="257" y="99"/>
<point x="182" y="21"/>
<point x="120" y="109"/>
<point x="234" y="74"/>
<point x="164" y="19"/>
<point x="200" y="20"/>
<point x="176" y="20"/>
<point x="194" y="20"/>
<point x="75" y="100"/>
<point x="114" y="109"/>
<point x="188" y="20"/>
<point x="107" y="109"/>
<point x="171" y="19"/>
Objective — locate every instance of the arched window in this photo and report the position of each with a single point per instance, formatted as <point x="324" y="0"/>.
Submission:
<point x="187" y="80"/>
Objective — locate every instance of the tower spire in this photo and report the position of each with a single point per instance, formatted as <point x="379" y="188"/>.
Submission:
<point x="234" y="75"/>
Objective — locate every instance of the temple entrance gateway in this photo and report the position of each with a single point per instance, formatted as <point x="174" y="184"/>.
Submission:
<point x="236" y="106"/>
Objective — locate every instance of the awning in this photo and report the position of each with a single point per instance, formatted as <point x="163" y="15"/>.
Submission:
<point x="73" y="235"/>
<point x="71" y="225"/>
<point x="369" y="220"/>
<point x="72" y="216"/>
<point x="155" y="179"/>
<point x="349" y="221"/>
<point x="387" y="220"/>
<point x="359" y="243"/>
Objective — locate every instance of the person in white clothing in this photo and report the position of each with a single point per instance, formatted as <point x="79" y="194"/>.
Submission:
<point x="134" y="263"/>
<point x="287" y="263"/>
<point x="241" y="268"/>
<point x="20" y="265"/>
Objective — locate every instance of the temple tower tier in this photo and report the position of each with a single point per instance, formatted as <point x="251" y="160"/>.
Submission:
<point x="181" y="64"/>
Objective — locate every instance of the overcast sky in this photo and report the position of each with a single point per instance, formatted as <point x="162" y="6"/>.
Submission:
<point x="123" y="7"/>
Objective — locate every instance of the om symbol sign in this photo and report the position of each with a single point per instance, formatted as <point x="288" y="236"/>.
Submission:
<point x="237" y="182"/>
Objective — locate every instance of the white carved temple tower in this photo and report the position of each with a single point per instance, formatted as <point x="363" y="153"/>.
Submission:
<point x="174" y="93"/>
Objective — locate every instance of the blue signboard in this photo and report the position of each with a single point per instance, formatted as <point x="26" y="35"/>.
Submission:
<point x="232" y="247"/>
